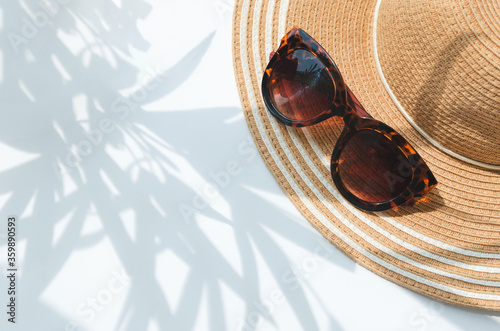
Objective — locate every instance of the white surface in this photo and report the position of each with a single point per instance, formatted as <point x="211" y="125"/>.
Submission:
<point x="172" y="221"/>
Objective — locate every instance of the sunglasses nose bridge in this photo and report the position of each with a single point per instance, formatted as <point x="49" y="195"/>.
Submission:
<point x="349" y="117"/>
<point x="355" y="105"/>
<point x="340" y="111"/>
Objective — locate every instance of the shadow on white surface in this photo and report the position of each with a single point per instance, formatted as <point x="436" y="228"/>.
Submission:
<point x="63" y="109"/>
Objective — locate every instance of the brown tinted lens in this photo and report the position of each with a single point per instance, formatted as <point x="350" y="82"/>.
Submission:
<point x="301" y="87"/>
<point x="373" y="168"/>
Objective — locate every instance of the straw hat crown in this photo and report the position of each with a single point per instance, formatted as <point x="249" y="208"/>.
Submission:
<point x="441" y="60"/>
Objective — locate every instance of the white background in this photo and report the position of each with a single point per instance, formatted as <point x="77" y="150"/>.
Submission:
<point x="142" y="203"/>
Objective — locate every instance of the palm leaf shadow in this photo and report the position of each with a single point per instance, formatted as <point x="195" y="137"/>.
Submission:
<point x="45" y="128"/>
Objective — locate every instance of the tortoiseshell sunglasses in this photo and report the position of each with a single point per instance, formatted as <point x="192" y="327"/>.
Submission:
<point x="373" y="167"/>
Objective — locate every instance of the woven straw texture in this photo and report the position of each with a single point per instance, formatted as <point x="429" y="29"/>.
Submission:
<point x="442" y="62"/>
<point x="447" y="247"/>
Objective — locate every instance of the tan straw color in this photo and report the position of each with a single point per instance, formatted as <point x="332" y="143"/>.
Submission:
<point x="430" y="70"/>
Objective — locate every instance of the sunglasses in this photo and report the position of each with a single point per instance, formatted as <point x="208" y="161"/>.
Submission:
<point x="372" y="166"/>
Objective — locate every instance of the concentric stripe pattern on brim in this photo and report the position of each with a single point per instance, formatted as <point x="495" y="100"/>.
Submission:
<point x="447" y="247"/>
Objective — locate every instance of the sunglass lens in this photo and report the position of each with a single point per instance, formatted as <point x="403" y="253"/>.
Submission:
<point x="373" y="168"/>
<point x="301" y="87"/>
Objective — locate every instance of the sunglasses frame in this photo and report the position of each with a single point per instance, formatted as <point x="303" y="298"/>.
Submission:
<point x="346" y="105"/>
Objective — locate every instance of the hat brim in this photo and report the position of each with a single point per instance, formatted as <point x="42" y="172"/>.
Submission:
<point x="446" y="247"/>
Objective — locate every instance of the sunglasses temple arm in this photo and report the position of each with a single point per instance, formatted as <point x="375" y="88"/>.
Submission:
<point x="355" y="104"/>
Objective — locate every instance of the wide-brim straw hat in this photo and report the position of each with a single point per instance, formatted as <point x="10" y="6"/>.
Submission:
<point x="431" y="71"/>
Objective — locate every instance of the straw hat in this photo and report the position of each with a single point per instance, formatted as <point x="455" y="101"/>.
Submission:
<point x="430" y="70"/>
